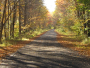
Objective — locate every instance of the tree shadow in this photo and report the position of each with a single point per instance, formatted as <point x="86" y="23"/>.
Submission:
<point x="36" y="61"/>
<point x="45" y="52"/>
<point x="29" y="57"/>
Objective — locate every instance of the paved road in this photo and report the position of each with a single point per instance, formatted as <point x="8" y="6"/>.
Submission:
<point x="45" y="52"/>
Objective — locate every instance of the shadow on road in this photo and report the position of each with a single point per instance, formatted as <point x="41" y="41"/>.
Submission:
<point x="29" y="61"/>
<point x="45" y="52"/>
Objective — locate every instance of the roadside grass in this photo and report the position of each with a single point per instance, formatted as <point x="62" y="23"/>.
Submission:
<point x="10" y="46"/>
<point x="32" y="34"/>
<point x="74" y="42"/>
<point x="24" y="37"/>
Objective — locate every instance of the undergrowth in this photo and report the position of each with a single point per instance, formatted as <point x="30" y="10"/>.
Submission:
<point x="81" y="37"/>
<point x="80" y="43"/>
<point x="24" y="37"/>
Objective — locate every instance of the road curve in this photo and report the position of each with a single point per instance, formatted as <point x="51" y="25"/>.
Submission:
<point x="45" y="52"/>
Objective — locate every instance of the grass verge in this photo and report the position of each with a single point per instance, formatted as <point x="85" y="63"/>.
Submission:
<point x="17" y="44"/>
<point x="74" y="43"/>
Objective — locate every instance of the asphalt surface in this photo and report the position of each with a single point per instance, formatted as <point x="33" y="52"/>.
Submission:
<point x="45" y="52"/>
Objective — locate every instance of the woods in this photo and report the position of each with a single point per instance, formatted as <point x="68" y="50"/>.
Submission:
<point x="17" y="17"/>
<point x="20" y="16"/>
<point x="73" y="15"/>
<point x="72" y="23"/>
<point x="31" y="28"/>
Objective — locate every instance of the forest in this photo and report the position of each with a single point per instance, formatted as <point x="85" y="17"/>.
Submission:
<point x="21" y="17"/>
<point x="73" y="16"/>
<point x="25" y="19"/>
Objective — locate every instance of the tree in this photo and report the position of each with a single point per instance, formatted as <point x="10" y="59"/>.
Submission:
<point x="2" y="25"/>
<point x="16" y="21"/>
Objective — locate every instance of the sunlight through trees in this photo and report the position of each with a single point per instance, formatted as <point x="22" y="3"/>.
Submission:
<point x="20" y="16"/>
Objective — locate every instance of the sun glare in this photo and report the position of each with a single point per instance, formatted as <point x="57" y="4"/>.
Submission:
<point x="50" y="4"/>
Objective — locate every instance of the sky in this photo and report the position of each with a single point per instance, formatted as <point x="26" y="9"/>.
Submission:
<point x="50" y="4"/>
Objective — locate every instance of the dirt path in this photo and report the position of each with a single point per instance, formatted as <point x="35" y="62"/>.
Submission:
<point x="45" y="52"/>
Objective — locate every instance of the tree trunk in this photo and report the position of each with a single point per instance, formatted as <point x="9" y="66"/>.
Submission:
<point x="2" y="21"/>
<point x="14" y="18"/>
<point x="25" y="13"/>
<point x="19" y="18"/>
<point x="8" y="19"/>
